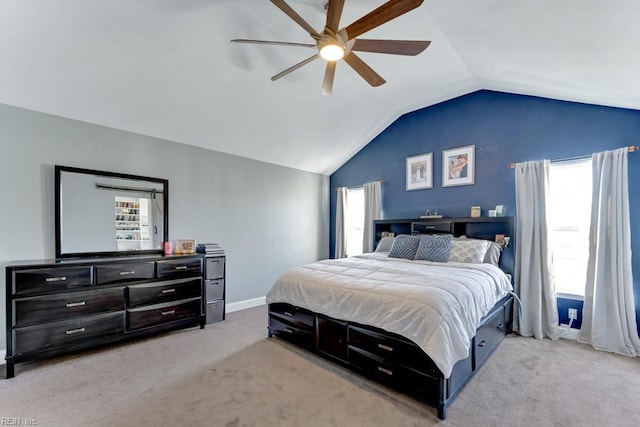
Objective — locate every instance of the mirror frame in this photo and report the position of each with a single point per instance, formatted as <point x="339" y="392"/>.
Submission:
<point x="59" y="213"/>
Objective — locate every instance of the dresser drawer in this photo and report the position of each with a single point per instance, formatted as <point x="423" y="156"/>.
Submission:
<point x="151" y="315"/>
<point x="30" y="311"/>
<point x="175" y="268"/>
<point x="159" y="292"/>
<point x="214" y="268"/>
<point x="42" y="280"/>
<point x="294" y="315"/>
<point x="67" y="332"/>
<point x="214" y="289"/>
<point x="124" y="272"/>
<point x="300" y="336"/>
<point x="391" y="349"/>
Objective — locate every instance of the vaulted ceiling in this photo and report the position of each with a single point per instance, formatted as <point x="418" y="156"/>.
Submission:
<point x="167" y="69"/>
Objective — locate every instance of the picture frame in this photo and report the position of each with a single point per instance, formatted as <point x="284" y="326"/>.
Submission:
<point x="185" y="247"/>
<point x="419" y="172"/>
<point x="458" y="166"/>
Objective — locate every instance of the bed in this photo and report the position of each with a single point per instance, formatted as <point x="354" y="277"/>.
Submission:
<point x="419" y="317"/>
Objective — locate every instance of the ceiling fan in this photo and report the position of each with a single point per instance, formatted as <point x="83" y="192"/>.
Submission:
<point x="334" y="44"/>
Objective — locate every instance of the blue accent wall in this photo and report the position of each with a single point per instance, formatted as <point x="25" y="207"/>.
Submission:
<point x="505" y="128"/>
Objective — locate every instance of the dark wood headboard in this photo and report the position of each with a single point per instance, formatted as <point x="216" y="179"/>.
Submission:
<point x="478" y="228"/>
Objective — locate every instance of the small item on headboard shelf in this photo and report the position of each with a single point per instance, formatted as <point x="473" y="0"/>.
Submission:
<point x="476" y="211"/>
<point x="428" y="214"/>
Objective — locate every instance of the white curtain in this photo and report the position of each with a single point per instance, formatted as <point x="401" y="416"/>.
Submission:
<point x="534" y="281"/>
<point x="609" y="317"/>
<point x="372" y="210"/>
<point x="341" y="229"/>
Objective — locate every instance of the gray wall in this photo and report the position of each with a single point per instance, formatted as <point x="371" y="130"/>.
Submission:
<point x="268" y="218"/>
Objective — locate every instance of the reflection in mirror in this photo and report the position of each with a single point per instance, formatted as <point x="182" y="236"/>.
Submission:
<point x="104" y="213"/>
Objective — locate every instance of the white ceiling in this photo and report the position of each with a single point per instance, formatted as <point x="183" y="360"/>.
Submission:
<point x="165" y="68"/>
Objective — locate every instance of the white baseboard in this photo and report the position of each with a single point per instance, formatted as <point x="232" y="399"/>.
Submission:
<point x="3" y="353"/>
<point x="569" y="333"/>
<point x="243" y="305"/>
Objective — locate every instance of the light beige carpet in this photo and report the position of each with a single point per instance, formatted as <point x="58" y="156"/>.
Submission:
<point x="230" y="374"/>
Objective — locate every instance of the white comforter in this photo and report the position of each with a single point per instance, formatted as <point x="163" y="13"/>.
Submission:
<point x="438" y="306"/>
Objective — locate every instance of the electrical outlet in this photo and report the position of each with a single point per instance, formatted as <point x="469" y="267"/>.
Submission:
<point x="573" y="313"/>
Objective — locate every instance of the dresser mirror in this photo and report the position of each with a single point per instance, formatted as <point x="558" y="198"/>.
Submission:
<point x="102" y="213"/>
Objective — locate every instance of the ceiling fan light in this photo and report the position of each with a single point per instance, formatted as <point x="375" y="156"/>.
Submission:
<point x="332" y="52"/>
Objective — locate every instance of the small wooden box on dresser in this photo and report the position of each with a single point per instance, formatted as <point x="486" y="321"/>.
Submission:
<point x="57" y="307"/>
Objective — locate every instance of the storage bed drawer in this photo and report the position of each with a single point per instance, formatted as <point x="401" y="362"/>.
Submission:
<point x="300" y="336"/>
<point x="388" y="348"/>
<point x="297" y="316"/>
<point x="397" y="376"/>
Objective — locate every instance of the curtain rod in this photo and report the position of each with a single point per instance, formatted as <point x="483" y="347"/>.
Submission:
<point x="630" y="148"/>
<point x="359" y="186"/>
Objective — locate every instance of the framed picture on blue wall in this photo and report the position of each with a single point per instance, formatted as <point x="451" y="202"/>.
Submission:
<point x="420" y="172"/>
<point x="458" y="166"/>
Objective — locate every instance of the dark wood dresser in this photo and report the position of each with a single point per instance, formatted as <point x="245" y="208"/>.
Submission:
<point x="56" y="307"/>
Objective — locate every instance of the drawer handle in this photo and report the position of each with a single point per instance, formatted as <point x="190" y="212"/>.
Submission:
<point x="181" y="267"/>
<point x="126" y="273"/>
<point x="74" y="331"/>
<point x="385" y="347"/>
<point x="482" y="343"/>
<point x="75" y="304"/>
<point x="168" y="291"/>
<point x="288" y="330"/>
<point x="56" y="279"/>
<point x="385" y="371"/>
<point x="286" y="313"/>
<point x="166" y="313"/>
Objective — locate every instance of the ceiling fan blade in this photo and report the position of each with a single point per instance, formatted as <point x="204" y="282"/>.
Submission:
<point x="329" y="74"/>
<point x="283" y="6"/>
<point x="366" y="72"/>
<point x="272" y="43"/>
<point x="385" y="13"/>
<point x="393" y="47"/>
<point x="334" y="12"/>
<point x="295" y="67"/>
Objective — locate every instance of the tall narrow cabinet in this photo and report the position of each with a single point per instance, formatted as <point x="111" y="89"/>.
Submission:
<point x="214" y="288"/>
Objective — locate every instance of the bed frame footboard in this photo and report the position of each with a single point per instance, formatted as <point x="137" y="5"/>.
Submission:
<point x="390" y="358"/>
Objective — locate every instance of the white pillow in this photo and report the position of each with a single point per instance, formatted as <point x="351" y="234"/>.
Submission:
<point x="384" y="245"/>
<point x="471" y="251"/>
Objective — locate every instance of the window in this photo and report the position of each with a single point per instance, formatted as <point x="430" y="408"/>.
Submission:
<point x="354" y="220"/>
<point x="570" y="185"/>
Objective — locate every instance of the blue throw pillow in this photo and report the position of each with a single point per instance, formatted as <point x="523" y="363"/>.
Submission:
<point x="434" y="247"/>
<point x="404" y="246"/>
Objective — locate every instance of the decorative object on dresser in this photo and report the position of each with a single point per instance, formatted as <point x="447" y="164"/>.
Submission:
<point x="57" y="307"/>
<point x="381" y="332"/>
<point x="185" y="247"/>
